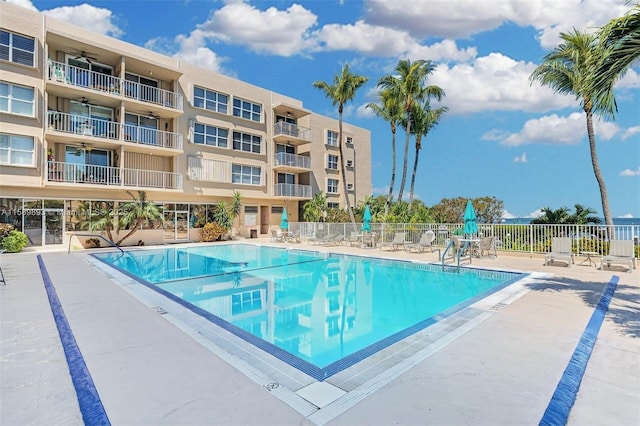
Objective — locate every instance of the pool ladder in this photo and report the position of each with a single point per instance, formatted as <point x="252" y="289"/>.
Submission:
<point x="459" y="254"/>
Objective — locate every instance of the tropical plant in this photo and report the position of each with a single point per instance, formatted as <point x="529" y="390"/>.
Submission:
<point x="424" y="120"/>
<point x="569" y="69"/>
<point x="342" y="90"/>
<point x="15" y="242"/>
<point x="451" y="210"/>
<point x="315" y="209"/>
<point x="5" y="230"/>
<point x="212" y="232"/>
<point x="407" y="87"/>
<point x="223" y="216"/>
<point x="236" y="206"/>
<point x="338" y="215"/>
<point x="620" y="41"/>
<point x="103" y="218"/>
<point x="582" y="216"/>
<point x="389" y="110"/>
<point x="136" y="212"/>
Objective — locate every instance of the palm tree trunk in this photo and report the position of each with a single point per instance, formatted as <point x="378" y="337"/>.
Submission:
<point x="344" y="170"/>
<point x="387" y="205"/>
<point x="132" y="231"/>
<point x="406" y="159"/>
<point x="413" y="174"/>
<point x="608" y="220"/>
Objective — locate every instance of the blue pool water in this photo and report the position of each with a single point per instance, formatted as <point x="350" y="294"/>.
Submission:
<point x="318" y="312"/>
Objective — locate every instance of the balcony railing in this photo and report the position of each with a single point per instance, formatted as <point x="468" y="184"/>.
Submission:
<point x="292" y="190"/>
<point x="80" y="77"/>
<point x="293" y="160"/>
<point x="85" y="126"/>
<point x="111" y="176"/>
<point x="289" y="129"/>
<point x="146" y="136"/>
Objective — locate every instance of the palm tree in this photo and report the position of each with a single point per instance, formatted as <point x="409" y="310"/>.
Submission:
<point x="408" y="87"/>
<point x="390" y="110"/>
<point x="549" y="216"/>
<point x="340" y="92"/>
<point x="424" y="119"/>
<point x="315" y="209"/>
<point x="568" y="69"/>
<point x="620" y="40"/>
<point x="584" y="215"/>
<point x="136" y="212"/>
<point x="235" y="206"/>
<point x="103" y="218"/>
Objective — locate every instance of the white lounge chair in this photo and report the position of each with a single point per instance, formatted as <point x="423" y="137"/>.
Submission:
<point x="398" y="241"/>
<point x="560" y="250"/>
<point x="487" y="244"/>
<point x="620" y="252"/>
<point x="426" y="242"/>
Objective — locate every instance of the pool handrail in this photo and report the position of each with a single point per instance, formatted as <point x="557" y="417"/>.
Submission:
<point x="112" y="244"/>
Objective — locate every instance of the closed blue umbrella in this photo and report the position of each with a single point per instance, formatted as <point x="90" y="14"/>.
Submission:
<point x="470" y="225"/>
<point x="366" y="220"/>
<point x="284" y="223"/>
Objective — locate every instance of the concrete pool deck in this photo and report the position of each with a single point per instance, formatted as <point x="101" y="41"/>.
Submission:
<point x="502" y="367"/>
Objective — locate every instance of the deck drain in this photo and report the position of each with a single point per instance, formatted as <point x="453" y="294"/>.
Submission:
<point x="272" y="385"/>
<point x="159" y="310"/>
<point x="498" y="307"/>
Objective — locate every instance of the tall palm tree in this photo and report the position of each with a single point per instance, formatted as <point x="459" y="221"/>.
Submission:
<point x="136" y="212"/>
<point x="408" y="87"/>
<point x="342" y="90"/>
<point x="584" y="215"/>
<point x="424" y="120"/>
<point x="568" y="69"/>
<point x="620" y="40"/>
<point x="389" y="110"/>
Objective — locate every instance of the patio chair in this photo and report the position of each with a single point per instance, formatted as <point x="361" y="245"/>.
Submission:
<point x="369" y="240"/>
<point x="333" y="240"/>
<point x="354" y="239"/>
<point x="398" y="241"/>
<point x="487" y="245"/>
<point x="621" y="252"/>
<point x="426" y="242"/>
<point x="276" y="237"/>
<point x="293" y="237"/>
<point x="560" y="250"/>
<point x="322" y="240"/>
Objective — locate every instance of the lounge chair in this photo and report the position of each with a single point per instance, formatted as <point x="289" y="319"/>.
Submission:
<point x="369" y="240"/>
<point x="620" y="252"/>
<point x="487" y="245"/>
<point x="426" y="242"/>
<point x="398" y="241"/>
<point x="560" y="250"/>
<point x="333" y="240"/>
<point x="323" y="240"/>
<point x="354" y="239"/>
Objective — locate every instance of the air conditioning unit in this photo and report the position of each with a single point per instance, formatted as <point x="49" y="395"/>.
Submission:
<point x="349" y="186"/>
<point x="349" y="163"/>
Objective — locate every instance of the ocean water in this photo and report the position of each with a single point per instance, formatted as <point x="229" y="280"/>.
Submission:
<point x="628" y="221"/>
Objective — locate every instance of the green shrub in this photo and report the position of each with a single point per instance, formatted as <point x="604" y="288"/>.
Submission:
<point x="5" y="229"/>
<point x="14" y="242"/>
<point x="211" y="232"/>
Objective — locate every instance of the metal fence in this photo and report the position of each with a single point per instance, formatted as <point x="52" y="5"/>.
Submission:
<point x="521" y="238"/>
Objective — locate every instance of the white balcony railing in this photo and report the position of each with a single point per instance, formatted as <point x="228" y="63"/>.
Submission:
<point x="84" y="126"/>
<point x="293" y="160"/>
<point x="292" y="190"/>
<point x="151" y="179"/>
<point x="146" y="136"/>
<point x="289" y="129"/>
<point x="111" y="176"/>
<point x="80" y="77"/>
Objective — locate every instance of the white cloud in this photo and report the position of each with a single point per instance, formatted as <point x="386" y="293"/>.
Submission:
<point x="463" y="18"/>
<point x="23" y="3"/>
<point x="535" y="213"/>
<point x="521" y="158"/>
<point x="507" y="215"/>
<point x="495" y="83"/>
<point x="93" y="18"/>
<point x="631" y="80"/>
<point x="554" y="129"/>
<point x="627" y="216"/>
<point x="279" y="32"/>
<point x="629" y="172"/>
<point x="190" y="48"/>
<point x="630" y="132"/>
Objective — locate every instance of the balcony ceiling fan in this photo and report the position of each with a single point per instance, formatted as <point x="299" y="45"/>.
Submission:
<point x="152" y="116"/>
<point x="84" y="55"/>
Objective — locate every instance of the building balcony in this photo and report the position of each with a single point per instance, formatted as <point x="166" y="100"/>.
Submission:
<point x="289" y="190"/>
<point x="291" y="162"/>
<point x="72" y="173"/>
<point x="291" y="133"/>
<point x="83" y="126"/>
<point x="70" y="75"/>
<point x="152" y="137"/>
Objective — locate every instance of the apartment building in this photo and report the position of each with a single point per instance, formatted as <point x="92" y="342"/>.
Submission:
<point x="87" y="119"/>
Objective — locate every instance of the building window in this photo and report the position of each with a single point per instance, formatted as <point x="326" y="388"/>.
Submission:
<point x="17" y="99"/>
<point x="17" y="48"/>
<point x="332" y="186"/>
<point x="247" y="110"/>
<point x="17" y="150"/>
<point x="333" y="205"/>
<point x="251" y="209"/>
<point x="277" y="209"/>
<point x="246" y="175"/>
<point x="209" y="135"/>
<point x="332" y="138"/>
<point x="246" y="142"/>
<point x="332" y="162"/>
<point x="208" y="99"/>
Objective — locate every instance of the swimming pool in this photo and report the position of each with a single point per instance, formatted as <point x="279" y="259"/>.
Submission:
<point x="319" y="312"/>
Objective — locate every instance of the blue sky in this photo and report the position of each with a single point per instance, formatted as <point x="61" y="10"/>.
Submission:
<point x="501" y="137"/>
